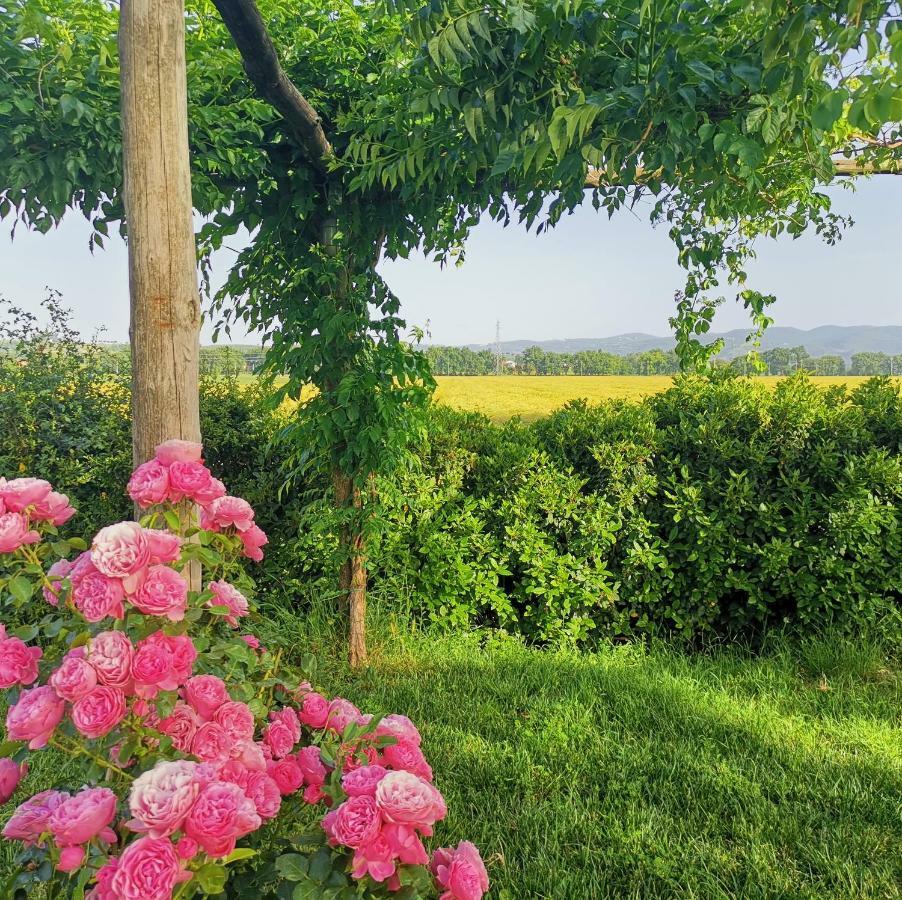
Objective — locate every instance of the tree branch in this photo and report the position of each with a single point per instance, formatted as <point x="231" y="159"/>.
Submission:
<point x="261" y="62"/>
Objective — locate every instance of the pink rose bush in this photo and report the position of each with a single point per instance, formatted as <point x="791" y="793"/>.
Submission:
<point x="203" y="754"/>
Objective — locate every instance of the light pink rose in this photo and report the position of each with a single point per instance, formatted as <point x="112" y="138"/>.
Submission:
<point x="160" y="799"/>
<point x="35" y="716"/>
<point x="97" y="596"/>
<point x="408" y="756"/>
<point x="175" y="450"/>
<point x="20" y="493"/>
<point x="32" y="818"/>
<point x="99" y="712"/>
<point x="221" y="815"/>
<point x="399" y="727"/>
<point x="14" y="532"/>
<point x="206" y="693"/>
<point x="341" y="713"/>
<point x="55" y="575"/>
<point x="460" y="872"/>
<point x="213" y="491"/>
<point x="357" y="821"/>
<point x="264" y="793"/>
<point x="375" y="859"/>
<point x="188" y="479"/>
<point x="227" y="512"/>
<point x="237" y="720"/>
<point x="18" y="662"/>
<point x="287" y="774"/>
<point x="164" y="546"/>
<point x="211" y="743"/>
<point x="225" y="594"/>
<point x="148" y="869"/>
<point x="363" y="782"/>
<point x="181" y="725"/>
<point x="314" y="710"/>
<point x="252" y="541"/>
<point x="74" y="678"/>
<point x="110" y="653"/>
<point x="83" y="817"/>
<point x="149" y="484"/>
<point x="11" y="773"/>
<point x="406" y="799"/>
<point x="164" y="593"/>
<point x="54" y="508"/>
<point x="120" y="550"/>
<point x="250" y="755"/>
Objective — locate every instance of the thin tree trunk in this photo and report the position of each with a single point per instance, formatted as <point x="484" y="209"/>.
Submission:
<point x="162" y="264"/>
<point x="352" y="574"/>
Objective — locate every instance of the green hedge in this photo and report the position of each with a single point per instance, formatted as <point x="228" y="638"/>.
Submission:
<point x="716" y="508"/>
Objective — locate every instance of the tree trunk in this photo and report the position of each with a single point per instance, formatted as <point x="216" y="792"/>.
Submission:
<point x="352" y="574"/>
<point x="162" y="263"/>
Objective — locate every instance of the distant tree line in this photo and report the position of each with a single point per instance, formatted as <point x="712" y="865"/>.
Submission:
<point x="536" y="361"/>
<point x="228" y="361"/>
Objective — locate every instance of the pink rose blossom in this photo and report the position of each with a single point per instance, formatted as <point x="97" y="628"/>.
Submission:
<point x="310" y="761"/>
<point x="148" y="869"/>
<point x="314" y="710"/>
<point x="97" y="596"/>
<point x="406" y="799"/>
<point x="11" y="773"/>
<point x="183" y="656"/>
<point x="341" y="713"/>
<point x="163" y="546"/>
<point x="160" y="799"/>
<point x="221" y="815"/>
<point x="149" y="484"/>
<point x="405" y="844"/>
<point x="35" y="716"/>
<point x="460" y="872"/>
<point x="120" y="550"/>
<point x="103" y="886"/>
<point x="54" y="508"/>
<point x="225" y="594"/>
<point x="55" y="575"/>
<point x="313" y="793"/>
<point x="181" y="725"/>
<point x="14" y="532"/>
<point x="74" y="678"/>
<point x="162" y="662"/>
<point x="213" y="491"/>
<point x="287" y="774"/>
<point x="32" y="818"/>
<point x="20" y="493"/>
<point x="83" y="817"/>
<point x="363" y="781"/>
<point x="252" y="542"/>
<point x="407" y="756"/>
<point x="206" y="693"/>
<point x="399" y="727"/>
<point x="251" y="641"/>
<point x="265" y="794"/>
<point x="227" y="512"/>
<point x="71" y="858"/>
<point x="211" y="743"/>
<point x="188" y="479"/>
<point x="357" y="821"/>
<point x="99" y="712"/>
<point x="18" y="661"/>
<point x="164" y="593"/>
<point x="187" y="848"/>
<point x="250" y="755"/>
<point x="237" y="720"/>
<point x="282" y="733"/>
<point x="175" y="450"/>
<point x="110" y="653"/>
<point x="375" y="859"/>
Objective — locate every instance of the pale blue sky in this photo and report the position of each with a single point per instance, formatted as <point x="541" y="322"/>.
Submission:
<point x="590" y="277"/>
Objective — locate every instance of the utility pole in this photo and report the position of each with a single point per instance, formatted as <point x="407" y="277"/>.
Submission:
<point x="498" y="359"/>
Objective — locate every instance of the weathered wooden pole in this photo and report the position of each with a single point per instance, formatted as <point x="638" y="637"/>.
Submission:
<point x="162" y="264"/>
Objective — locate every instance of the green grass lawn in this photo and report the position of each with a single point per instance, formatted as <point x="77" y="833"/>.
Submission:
<point x="637" y="772"/>
<point x="646" y="772"/>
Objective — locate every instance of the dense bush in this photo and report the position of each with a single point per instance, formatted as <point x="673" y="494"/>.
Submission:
<point x="718" y="507"/>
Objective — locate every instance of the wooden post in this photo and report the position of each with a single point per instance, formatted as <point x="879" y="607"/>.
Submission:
<point x="162" y="263"/>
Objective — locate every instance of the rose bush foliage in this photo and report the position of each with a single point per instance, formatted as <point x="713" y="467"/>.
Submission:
<point x="210" y="766"/>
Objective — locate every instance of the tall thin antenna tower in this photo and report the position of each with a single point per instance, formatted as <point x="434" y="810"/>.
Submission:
<point x="498" y="358"/>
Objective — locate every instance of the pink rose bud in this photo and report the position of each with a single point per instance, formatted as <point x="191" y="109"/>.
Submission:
<point x="11" y="773"/>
